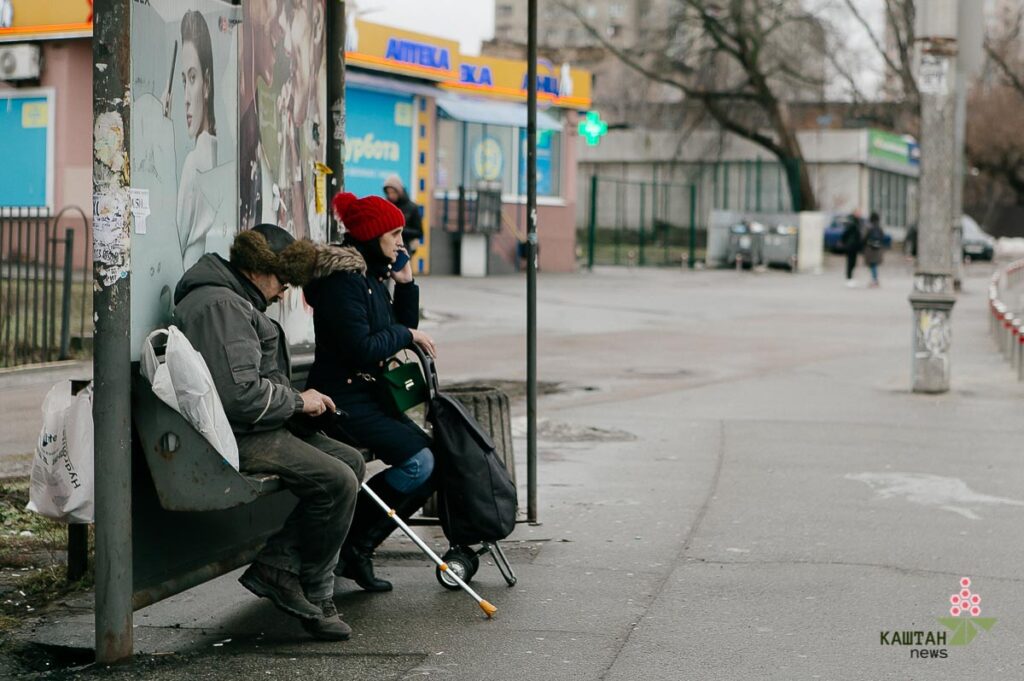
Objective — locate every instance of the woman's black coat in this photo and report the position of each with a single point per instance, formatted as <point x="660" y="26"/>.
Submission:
<point x="358" y="327"/>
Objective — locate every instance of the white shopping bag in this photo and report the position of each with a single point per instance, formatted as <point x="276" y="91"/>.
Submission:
<point x="183" y="382"/>
<point x="62" y="481"/>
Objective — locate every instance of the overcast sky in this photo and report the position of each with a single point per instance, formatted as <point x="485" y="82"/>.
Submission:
<point x="468" y="21"/>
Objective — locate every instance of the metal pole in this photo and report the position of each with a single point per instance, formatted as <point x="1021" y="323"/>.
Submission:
<point x="691" y="259"/>
<point x="78" y="534"/>
<point x="643" y="218"/>
<point x="932" y="297"/>
<point x="65" y="303"/>
<point x="592" y="228"/>
<point x="336" y="104"/>
<point x="111" y="45"/>
<point x="531" y="264"/>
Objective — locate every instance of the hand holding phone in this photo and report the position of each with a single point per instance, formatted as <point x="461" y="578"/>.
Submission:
<point x="401" y="260"/>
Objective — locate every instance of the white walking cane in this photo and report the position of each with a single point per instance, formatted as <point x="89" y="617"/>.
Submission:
<point x="488" y="609"/>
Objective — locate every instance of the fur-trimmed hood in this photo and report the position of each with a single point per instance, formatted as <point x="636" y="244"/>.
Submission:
<point x="331" y="259"/>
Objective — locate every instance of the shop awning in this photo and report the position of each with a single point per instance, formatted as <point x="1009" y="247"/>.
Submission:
<point x="391" y="85"/>
<point x="493" y="113"/>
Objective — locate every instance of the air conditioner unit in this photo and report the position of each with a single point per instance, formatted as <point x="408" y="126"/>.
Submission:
<point x="19" y="62"/>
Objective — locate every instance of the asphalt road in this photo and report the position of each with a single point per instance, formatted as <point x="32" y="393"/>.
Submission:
<point x="735" y="483"/>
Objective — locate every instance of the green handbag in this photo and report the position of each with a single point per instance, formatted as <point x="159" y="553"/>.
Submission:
<point x="403" y="386"/>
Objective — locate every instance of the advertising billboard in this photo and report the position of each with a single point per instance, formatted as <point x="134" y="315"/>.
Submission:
<point x="184" y="171"/>
<point x="23" y="20"/>
<point x="378" y="139"/>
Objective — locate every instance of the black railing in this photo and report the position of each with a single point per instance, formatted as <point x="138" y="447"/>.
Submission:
<point x="45" y="296"/>
<point x="474" y="210"/>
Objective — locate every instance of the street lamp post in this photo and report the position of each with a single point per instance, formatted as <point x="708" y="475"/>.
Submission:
<point x="531" y="264"/>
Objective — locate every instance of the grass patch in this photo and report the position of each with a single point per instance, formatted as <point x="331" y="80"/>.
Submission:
<point x="33" y="558"/>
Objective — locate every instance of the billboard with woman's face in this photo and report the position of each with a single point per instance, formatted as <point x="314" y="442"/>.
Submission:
<point x="227" y="129"/>
<point x="184" y="172"/>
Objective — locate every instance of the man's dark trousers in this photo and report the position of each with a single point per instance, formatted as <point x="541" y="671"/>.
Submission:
<point x="325" y="475"/>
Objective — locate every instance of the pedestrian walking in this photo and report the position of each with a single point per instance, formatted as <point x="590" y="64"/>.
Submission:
<point x="874" y="242"/>
<point x="851" y="242"/>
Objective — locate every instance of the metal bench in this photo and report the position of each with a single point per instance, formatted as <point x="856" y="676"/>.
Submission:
<point x="193" y="517"/>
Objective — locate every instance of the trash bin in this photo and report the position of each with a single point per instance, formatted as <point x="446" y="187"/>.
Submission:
<point x="746" y="244"/>
<point x="780" y="246"/>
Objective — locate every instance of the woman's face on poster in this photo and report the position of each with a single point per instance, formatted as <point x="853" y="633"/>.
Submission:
<point x="196" y="89"/>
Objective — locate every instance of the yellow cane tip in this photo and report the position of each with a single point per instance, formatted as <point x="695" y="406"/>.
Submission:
<point x="488" y="608"/>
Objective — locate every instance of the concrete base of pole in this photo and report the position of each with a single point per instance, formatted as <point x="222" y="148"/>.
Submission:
<point x="933" y="333"/>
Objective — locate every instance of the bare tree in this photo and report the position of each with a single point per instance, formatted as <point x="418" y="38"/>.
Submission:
<point x="738" y="59"/>
<point x="994" y="145"/>
<point x="1003" y="50"/>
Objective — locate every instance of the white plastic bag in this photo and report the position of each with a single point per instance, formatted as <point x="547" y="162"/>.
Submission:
<point x="183" y="382"/>
<point x="62" y="481"/>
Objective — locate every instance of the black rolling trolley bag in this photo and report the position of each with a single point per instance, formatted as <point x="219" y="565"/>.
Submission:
<point x="476" y="496"/>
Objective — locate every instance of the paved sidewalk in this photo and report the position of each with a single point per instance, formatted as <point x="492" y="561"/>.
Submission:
<point x="735" y="483"/>
<point x="21" y="396"/>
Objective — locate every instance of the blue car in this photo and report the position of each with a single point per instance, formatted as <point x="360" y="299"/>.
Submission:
<point x="834" y="234"/>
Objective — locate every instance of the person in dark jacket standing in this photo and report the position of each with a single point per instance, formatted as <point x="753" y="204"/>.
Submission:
<point x="851" y="241"/>
<point x="874" y="242"/>
<point x="358" y="327"/>
<point x="412" y="233"/>
<point x="221" y="308"/>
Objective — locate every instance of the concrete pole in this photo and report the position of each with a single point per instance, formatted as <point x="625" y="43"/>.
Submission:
<point x="932" y="297"/>
<point x="111" y="50"/>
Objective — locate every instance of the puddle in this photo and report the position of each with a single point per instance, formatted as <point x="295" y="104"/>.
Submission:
<point x="516" y="390"/>
<point x="659" y="373"/>
<point x="555" y="431"/>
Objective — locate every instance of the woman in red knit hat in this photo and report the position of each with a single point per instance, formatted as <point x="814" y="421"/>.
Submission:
<point x="359" y="325"/>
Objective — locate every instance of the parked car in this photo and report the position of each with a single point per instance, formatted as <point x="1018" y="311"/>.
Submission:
<point x="975" y="244"/>
<point x="834" y="234"/>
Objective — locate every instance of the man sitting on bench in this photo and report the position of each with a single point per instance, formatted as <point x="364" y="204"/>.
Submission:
<point x="220" y="307"/>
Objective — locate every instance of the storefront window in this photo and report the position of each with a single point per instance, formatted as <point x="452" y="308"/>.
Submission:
<point x="549" y="152"/>
<point x="472" y="153"/>
<point x="889" y="195"/>
<point x="449" y="155"/>
<point x="488" y="156"/>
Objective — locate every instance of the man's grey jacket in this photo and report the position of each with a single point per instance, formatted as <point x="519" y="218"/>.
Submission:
<point x="223" y="315"/>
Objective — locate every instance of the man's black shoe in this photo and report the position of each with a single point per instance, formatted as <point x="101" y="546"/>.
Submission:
<point x="282" y="588"/>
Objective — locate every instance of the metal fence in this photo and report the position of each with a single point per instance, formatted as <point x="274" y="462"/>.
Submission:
<point x="643" y="213"/>
<point x="640" y="223"/>
<point x="45" y="292"/>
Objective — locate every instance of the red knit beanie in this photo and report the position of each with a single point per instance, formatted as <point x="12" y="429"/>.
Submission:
<point x="367" y="218"/>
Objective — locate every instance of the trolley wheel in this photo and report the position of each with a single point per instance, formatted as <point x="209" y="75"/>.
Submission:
<point x="460" y="560"/>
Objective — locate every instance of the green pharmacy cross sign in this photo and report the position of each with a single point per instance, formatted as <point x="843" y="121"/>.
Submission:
<point x="593" y="128"/>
